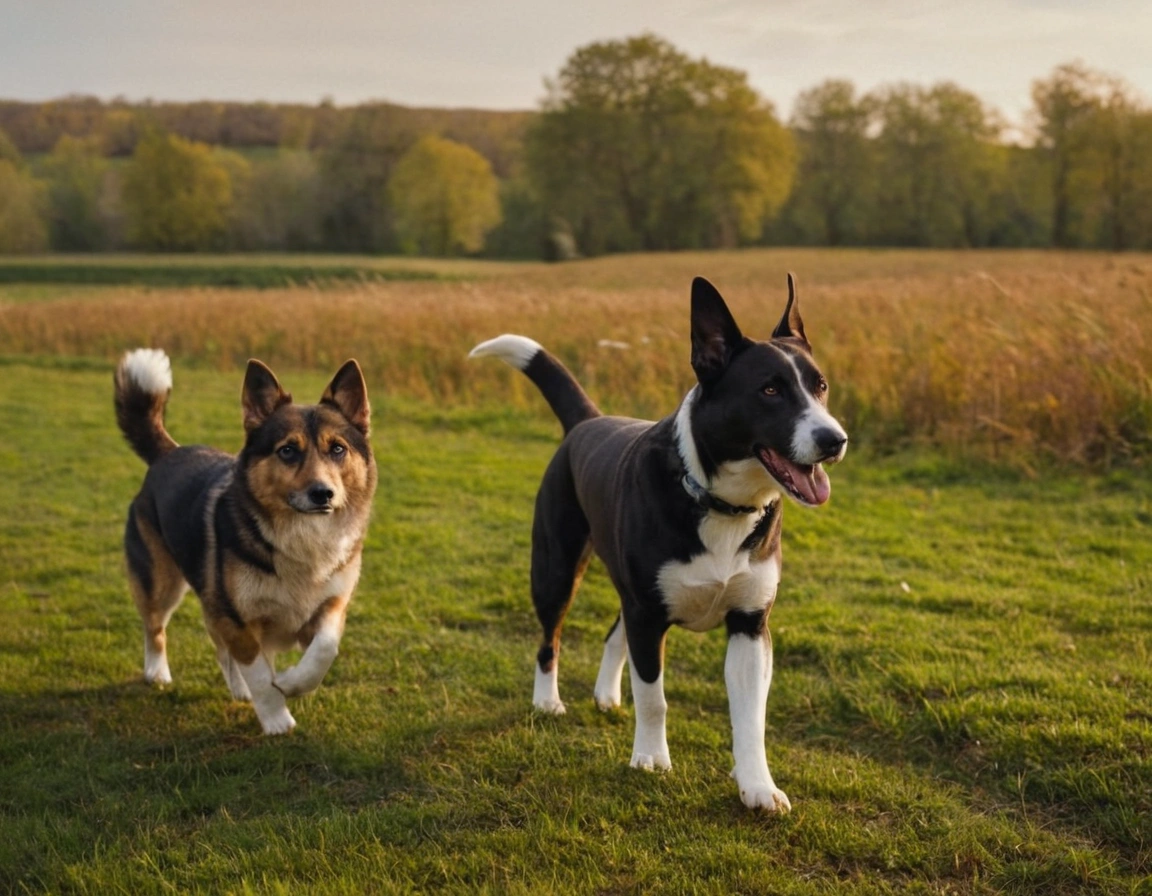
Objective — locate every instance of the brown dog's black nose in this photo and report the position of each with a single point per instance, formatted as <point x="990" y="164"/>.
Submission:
<point x="320" y="494"/>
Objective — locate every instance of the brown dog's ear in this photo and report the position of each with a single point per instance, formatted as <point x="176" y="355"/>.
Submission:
<point x="790" y="324"/>
<point x="349" y="395"/>
<point x="261" y="395"/>
<point x="715" y="336"/>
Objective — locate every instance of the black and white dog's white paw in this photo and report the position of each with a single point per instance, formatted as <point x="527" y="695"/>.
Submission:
<point x="652" y="762"/>
<point x="763" y="795"/>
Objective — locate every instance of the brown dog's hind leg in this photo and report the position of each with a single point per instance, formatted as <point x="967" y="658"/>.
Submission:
<point x="157" y="586"/>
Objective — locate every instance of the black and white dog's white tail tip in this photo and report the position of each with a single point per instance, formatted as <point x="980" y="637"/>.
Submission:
<point x="509" y="348"/>
<point x="555" y="382"/>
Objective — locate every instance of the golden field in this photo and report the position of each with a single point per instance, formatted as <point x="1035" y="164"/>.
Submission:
<point x="1020" y="357"/>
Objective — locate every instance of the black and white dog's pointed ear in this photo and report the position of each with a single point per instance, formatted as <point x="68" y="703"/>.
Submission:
<point x="261" y="395"/>
<point x="715" y="336"/>
<point x="790" y="324"/>
<point x="348" y="393"/>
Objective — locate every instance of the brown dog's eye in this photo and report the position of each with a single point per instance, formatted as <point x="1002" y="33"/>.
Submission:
<point x="337" y="450"/>
<point x="288" y="453"/>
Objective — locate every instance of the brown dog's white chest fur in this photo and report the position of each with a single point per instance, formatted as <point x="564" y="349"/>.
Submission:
<point x="317" y="558"/>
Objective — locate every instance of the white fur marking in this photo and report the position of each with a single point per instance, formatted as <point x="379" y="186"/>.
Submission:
<point x="271" y="708"/>
<point x="700" y="593"/>
<point x="237" y="687"/>
<point x="607" y="691"/>
<point x="307" y="674"/>
<point x="815" y="417"/>
<point x="686" y="441"/>
<point x="155" y="664"/>
<point x="748" y="675"/>
<point x="650" y="747"/>
<point x="149" y="369"/>
<point x="546" y="691"/>
<point x="512" y="349"/>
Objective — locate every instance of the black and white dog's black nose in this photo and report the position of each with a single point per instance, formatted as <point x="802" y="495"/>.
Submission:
<point x="320" y="494"/>
<point x="830" y="443"/>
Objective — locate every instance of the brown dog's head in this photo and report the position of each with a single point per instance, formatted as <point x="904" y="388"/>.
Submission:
<point x="307" y="459"/>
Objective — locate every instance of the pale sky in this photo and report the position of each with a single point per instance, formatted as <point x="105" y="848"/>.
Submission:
<point x="495" y="55"/>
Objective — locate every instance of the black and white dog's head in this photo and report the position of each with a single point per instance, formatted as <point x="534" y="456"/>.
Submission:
<point x="760" y="407"/>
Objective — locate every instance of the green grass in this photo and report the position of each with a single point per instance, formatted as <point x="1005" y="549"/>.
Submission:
<point x="962" y="700"/>
<point x="252" y="272"/>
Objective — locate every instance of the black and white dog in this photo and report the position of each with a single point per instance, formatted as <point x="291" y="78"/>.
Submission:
<point x="685" y="513"/>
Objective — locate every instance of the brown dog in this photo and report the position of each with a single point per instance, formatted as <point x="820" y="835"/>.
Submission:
<point x="270" y="539"/>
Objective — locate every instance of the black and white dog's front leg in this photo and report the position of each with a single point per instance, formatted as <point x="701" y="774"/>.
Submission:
<point x="748" y="675"/>
<point x="646" y="665"/>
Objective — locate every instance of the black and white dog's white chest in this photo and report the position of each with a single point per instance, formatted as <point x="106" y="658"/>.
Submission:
<point x="730" y="574"/>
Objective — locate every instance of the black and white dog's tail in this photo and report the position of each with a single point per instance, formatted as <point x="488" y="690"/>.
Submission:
<point x="143" y="383"/>
<point x="555" y="382"/>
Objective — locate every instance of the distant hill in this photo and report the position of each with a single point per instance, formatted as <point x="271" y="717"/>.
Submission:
<point x="35" y="127"/>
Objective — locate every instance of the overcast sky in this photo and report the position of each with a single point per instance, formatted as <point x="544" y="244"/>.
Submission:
<point x="495" y="55"/>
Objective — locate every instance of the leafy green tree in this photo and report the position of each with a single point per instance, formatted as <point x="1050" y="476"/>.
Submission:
<point x="1065" y="106"/>
<point x="280" y="207"/>
<point x="1121" y="141"/>
<point x="76" y="172"/>
<point x="936" y="151"/>
<point x="835" y="173"/>
<point x="640" y="147"/>
<point x="444" y="198"/>
<point x="177" y="196"/>
<point x="354" y="175"/>
<point x="23" y="210"/>
<point x="1018" y="199"/>
<point x="524" y="229"/>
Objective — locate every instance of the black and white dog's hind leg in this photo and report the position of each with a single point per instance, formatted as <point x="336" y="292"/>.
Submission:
<point x="561" y="549"/>
<point x="748" y="676"/>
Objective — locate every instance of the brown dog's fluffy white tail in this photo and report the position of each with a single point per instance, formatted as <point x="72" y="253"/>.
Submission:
<point x="143" y="381"/>
<point x="568" y="401"/>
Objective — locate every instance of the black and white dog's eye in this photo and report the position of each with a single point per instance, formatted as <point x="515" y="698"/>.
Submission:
<point x="822" y="386"/>
<point x="771" y="390"/>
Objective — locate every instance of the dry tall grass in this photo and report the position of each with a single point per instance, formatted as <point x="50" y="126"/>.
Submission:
<point x="1018" y="356"/>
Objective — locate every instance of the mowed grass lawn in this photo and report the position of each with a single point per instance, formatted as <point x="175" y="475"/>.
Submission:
<point x="962" y="700"/>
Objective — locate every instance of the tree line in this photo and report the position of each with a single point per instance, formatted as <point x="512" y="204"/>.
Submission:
<point x="636" y="146"/>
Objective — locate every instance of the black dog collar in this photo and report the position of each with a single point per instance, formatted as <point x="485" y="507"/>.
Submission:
<point x="709" y="501"/>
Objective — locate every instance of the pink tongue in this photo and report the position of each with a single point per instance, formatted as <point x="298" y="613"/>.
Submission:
<point x="816" y="488"/>
<point x="811" y="483"/>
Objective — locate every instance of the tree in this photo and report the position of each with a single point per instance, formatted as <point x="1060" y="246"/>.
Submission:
<point x="354" y="173"/>
<point x="524" y="230"/>
<point x="836" y="161"/>
<point x="936" y="162"/>
<point x="177" y="197"/>
<point x="23" y="201"/>
<point x="1121" y="141"/>
<point x="640" y="147"/>
<point x="1065" y="105"/>
<point x="76" y="172"/>
<point x="9" y="152"/>
<point x="281" y="205"/>
<point x="444" y="198"/>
